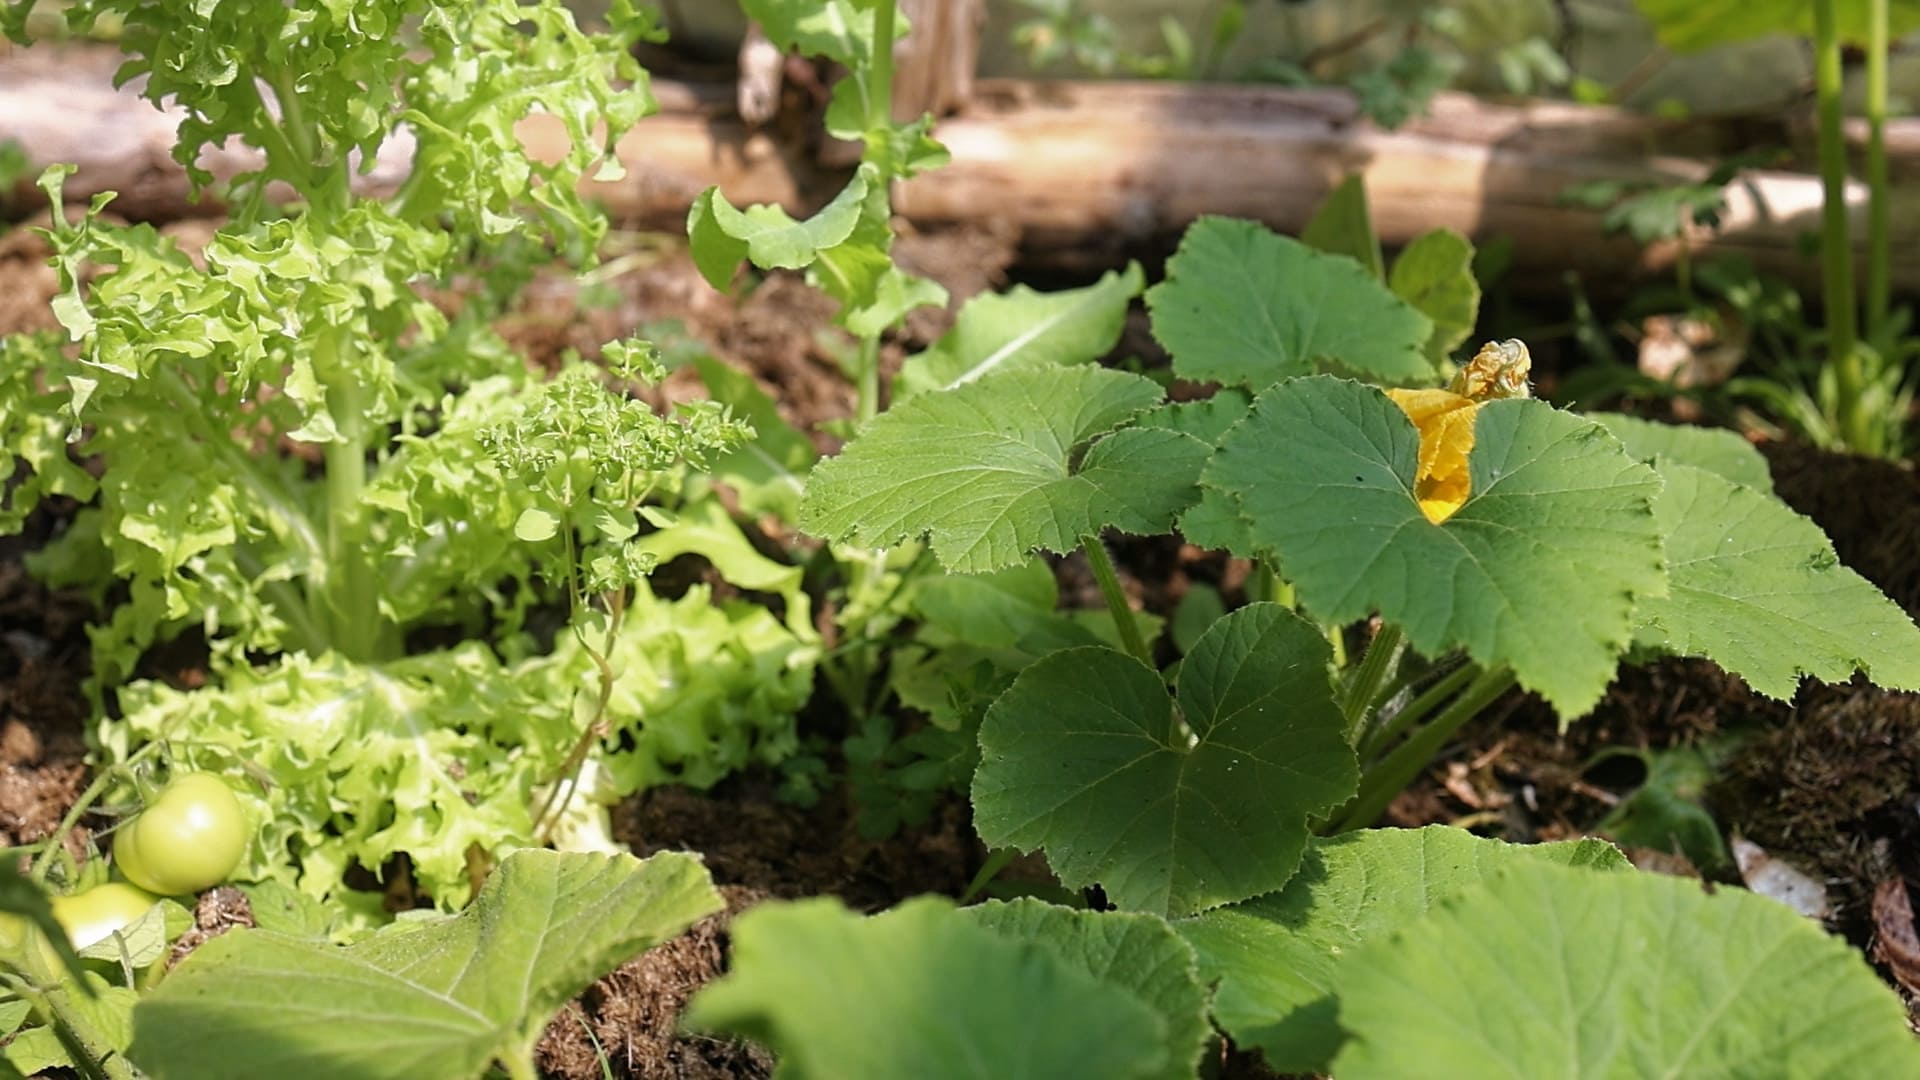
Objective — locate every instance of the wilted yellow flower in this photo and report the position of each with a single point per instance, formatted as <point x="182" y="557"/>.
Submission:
<point x="1444" y="419"/>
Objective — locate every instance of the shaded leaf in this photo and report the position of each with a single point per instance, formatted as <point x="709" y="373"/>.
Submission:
<point x="1342" y="226"/>
<point x="1083" y="756"/>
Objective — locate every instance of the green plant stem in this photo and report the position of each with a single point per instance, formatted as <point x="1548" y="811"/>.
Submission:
<point x="1417" y="709"/>
<point x="1123" y="618"/>
<point x="90" y="1049"/>
<point x="1379" y="784"/>
<point x="1375" y="669"/>
<point x="880" y="72"/>
<point x="1836" y="249"/>
<point x="359" y="631"/>
<point x="81" y="805"/>
<point x="1879" y="213"/>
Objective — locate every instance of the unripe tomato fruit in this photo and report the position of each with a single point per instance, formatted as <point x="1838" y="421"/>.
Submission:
<point x="189" y="838"/>
<point x="95" y="914"/>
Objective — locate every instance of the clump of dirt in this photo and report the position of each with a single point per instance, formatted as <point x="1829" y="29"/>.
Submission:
<point x="629" y="1020"/>
<point x="44" y="659"/>
<point x="1834" y="791"/>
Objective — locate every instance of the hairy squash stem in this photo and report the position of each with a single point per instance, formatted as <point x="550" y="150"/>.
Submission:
<point x="89" y="1049"/>
<point x="1123" y="618"/>
<point x="879" y="116"/>
<point x="1836" y="249"/>
<point x="1382" y="782"/>
<point x="1416" y="710"/>
<point x="1374" y="672"/>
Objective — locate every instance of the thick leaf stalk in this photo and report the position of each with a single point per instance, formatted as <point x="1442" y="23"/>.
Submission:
<point x="1836" y="248"/>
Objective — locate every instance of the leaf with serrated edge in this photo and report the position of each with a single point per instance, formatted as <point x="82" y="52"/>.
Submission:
<point x="920" y="991"/>
<point x="985" y="468"/>
<point x="1084" y="757"/>
<point x="1273" y="959"/>
<point x="1757" y="589"/>
<point x="1245" y="306"/>
<point x="1540" y="569"/>
<point x="1137" y="953"/>
<point x="1712" y="449"/>
<point x="443" y="999"/>
<point x="1575" y="974"/>
<point x="1022" y="328"/>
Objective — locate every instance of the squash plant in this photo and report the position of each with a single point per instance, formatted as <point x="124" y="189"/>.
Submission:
<point x="1219" y="803"/>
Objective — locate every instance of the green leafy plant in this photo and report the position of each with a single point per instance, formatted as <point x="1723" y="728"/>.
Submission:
<point x="1496" y="540"/>
<point x="1858" y="410"/>
<point x="444" y="486"/>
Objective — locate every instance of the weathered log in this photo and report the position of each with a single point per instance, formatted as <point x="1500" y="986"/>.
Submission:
<point x="1087" y="170"/>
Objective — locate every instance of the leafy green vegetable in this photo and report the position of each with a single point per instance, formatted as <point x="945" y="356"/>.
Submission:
<point x="1022" y="328"/>
<point x="1758" y="590"/>
<point x="1246" y="307"/>
<point x="1086" y="757"/>
<point x="1276" y="959"/>
<point x="1616" y="975"/>
<point x="1434" y="273"/>
<point x="922" y="990"/>
<point x="1541" y="569"/>
<point x="441" y="998"/>
<point x="1000" y="467"/>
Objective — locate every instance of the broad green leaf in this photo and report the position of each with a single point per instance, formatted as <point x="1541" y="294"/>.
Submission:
<point x="1541" y="569"/>
<point x="1434" y="273"/>
<point x="989" y="469"/>
<point x="1274" y="959"/>
<point x="1687" y="25"/>
<point x="766" y="235"/>
<point x="1712" y="449"/>
<point x="920" y="991"/>
<point x="1343" y="226"/>
<point x="1137" y="953"/>
<point x="535" y="525"/>
<point x="1022" y="328"/>
<point x="703" y="528"/>
<point x="1084" y="756"/>
<point x="1551" y="971"/>
<point x="769" y="472"/>
<point x="443" y="999"/>
<point x="1757" y="589"/>
<point x="1244" y="306"/>
<point x="1214" y="521"/>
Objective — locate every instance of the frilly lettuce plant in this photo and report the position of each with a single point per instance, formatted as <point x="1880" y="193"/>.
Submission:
<point x="306" y="444"/>
<point x="1496" y="539"/>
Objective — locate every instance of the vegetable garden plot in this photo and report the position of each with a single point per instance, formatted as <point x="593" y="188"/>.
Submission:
<point x="441" y="643"/>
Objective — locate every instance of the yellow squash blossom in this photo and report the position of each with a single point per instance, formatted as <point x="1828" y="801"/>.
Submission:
<point x="1444" y="419"/>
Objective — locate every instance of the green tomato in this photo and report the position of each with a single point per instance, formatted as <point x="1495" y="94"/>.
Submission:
<point x="189" y="838"/>
<point x="94" y="915"/>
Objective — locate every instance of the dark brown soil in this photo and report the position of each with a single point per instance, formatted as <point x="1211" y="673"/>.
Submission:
<point x="1828" y="782"/>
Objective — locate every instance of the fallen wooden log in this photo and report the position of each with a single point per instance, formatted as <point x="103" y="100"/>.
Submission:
<point x="1089" y="171"/>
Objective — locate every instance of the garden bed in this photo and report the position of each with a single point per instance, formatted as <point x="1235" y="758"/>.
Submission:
<point x="1826" y="783"/>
